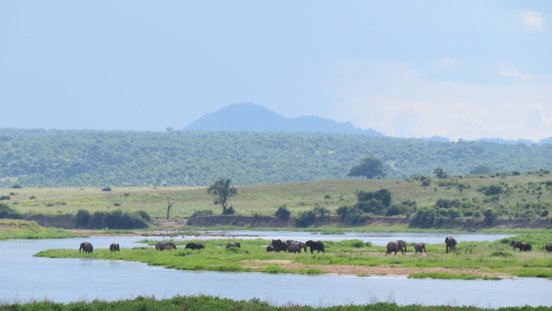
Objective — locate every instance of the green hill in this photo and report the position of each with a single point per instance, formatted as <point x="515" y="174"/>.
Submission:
<point x="115" y="158"/>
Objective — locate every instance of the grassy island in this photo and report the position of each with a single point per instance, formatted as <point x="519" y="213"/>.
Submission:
<point x="472" y="260"/>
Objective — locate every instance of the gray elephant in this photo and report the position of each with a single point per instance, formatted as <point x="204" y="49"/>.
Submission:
<point x="315" y="246"/>
<point x="294" y="247"/>
<point x="396" y="246"/>
<point x="301" y="244"/>
<point x="419" y="248"/>
<point x="164" y="245"/>
<point x="450" y="243"/>
<point x="548" y="248"/>
<point x="86" y="247"/>
<point x="193" y="245"/>
<point x="114" y="247"/>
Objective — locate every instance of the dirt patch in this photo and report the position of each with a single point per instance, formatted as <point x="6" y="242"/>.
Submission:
<point x="360" y="270"/>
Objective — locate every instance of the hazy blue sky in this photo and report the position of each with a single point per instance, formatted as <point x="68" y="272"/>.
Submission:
<point x="461" y="69"/>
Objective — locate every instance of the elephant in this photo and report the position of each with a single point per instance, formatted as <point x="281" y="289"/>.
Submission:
<point x="548" y="248"/>
<point x="294" y="247"/>
<point x="523" y="247"/>
<point x="86" y="247"/>
<point x="114" y="247"/>
<point x="278" y="245"/>
<point x="270" y="248"/>
<point x="420" y="248"/>
<point x="450" y="243"/>
<point x="163" y="245"/>
<point x="395" y="246"/>
<point x="315" y="246"/>
<point x="233" y="245"/>
<point x="193" y="245"/>
<point x="301" y="244"/>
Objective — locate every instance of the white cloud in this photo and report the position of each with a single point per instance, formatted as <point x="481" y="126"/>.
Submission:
<point x="394" y="99"/>
<point x="513" y="72"/>
<point x="447" y="60"/>
<point x="534" y="21"/>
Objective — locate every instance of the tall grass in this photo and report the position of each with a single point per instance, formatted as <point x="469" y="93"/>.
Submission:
<point x="207" y="303"/>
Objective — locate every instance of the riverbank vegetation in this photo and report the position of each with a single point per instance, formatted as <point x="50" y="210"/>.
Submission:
<point x="466" y="202"/>
<point x="20" y="229"/>
<point x="208" y="303"/>
<point x="472" y="260"/>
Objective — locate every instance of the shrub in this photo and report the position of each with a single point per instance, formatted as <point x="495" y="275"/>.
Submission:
<point x="282" y="213"/>
<point x="305" y="219"/>
<point x="7" y="212"/>
<point x="349" y="215"/>
<point x="229" y="211"/>
<point x="112" y="220"/>
<point x="83" y="218"/>
<point x="425" y="218"/>
<point x="106" y="189"/>
<point x="489" y="217"/>
<point x="144" y="215"/>
<point x="491" y="190"/>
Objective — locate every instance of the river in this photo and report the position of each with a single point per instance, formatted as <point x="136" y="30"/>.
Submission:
<point x="25" y="278"/>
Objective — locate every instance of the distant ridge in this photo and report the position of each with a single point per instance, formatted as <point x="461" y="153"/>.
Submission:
<point x="256" y="118"/>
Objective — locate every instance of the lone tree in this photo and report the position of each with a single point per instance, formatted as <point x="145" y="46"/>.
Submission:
<point x="169" y="206"/>
<point x="440" y="173"/>
<point x="369" y="167"/>
<point x="222" y="190"/>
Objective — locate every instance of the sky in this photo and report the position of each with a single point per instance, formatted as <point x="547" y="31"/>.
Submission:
<point x="459" y="69"/>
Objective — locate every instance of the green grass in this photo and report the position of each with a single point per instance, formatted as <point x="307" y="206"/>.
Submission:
<point x="207" y="303"/>
<point x="21" y="229"/>
<point x="482" y="260"/>
<point x="265" y="199"/>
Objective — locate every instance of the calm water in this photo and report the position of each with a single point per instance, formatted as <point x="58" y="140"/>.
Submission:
<point x="24" y="278"/>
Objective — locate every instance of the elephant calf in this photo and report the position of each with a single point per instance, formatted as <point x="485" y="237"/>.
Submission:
<point x="86" y="247"/>
<point x="419" y="248"/>
<point x="114" y="247"/>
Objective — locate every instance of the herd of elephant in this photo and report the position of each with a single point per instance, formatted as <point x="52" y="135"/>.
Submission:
<point x="400" y="246"/>
<point x="296" y="247"/>
<point x="291" y="246"/>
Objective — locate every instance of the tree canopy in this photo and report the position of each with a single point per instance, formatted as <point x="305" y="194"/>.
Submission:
<point x="368" y="167"/>
<point x="223" y="190"/>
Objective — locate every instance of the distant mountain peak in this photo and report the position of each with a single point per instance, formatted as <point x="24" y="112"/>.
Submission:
<point x="256" y="118"/>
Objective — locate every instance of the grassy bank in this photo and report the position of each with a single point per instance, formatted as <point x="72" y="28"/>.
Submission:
<point x="20" y="229"/>
<point x="207" y="303"/>
<point x="518" y="193"/>
<point x="473" y="260"/>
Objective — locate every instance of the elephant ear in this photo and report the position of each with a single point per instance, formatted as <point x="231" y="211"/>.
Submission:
<point x="446" y="240"/>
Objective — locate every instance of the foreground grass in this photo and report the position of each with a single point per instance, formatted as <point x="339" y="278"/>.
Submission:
<point x="205" y="303"/>
<point x="473" y="260"/>
<point x="20" y="229"/>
